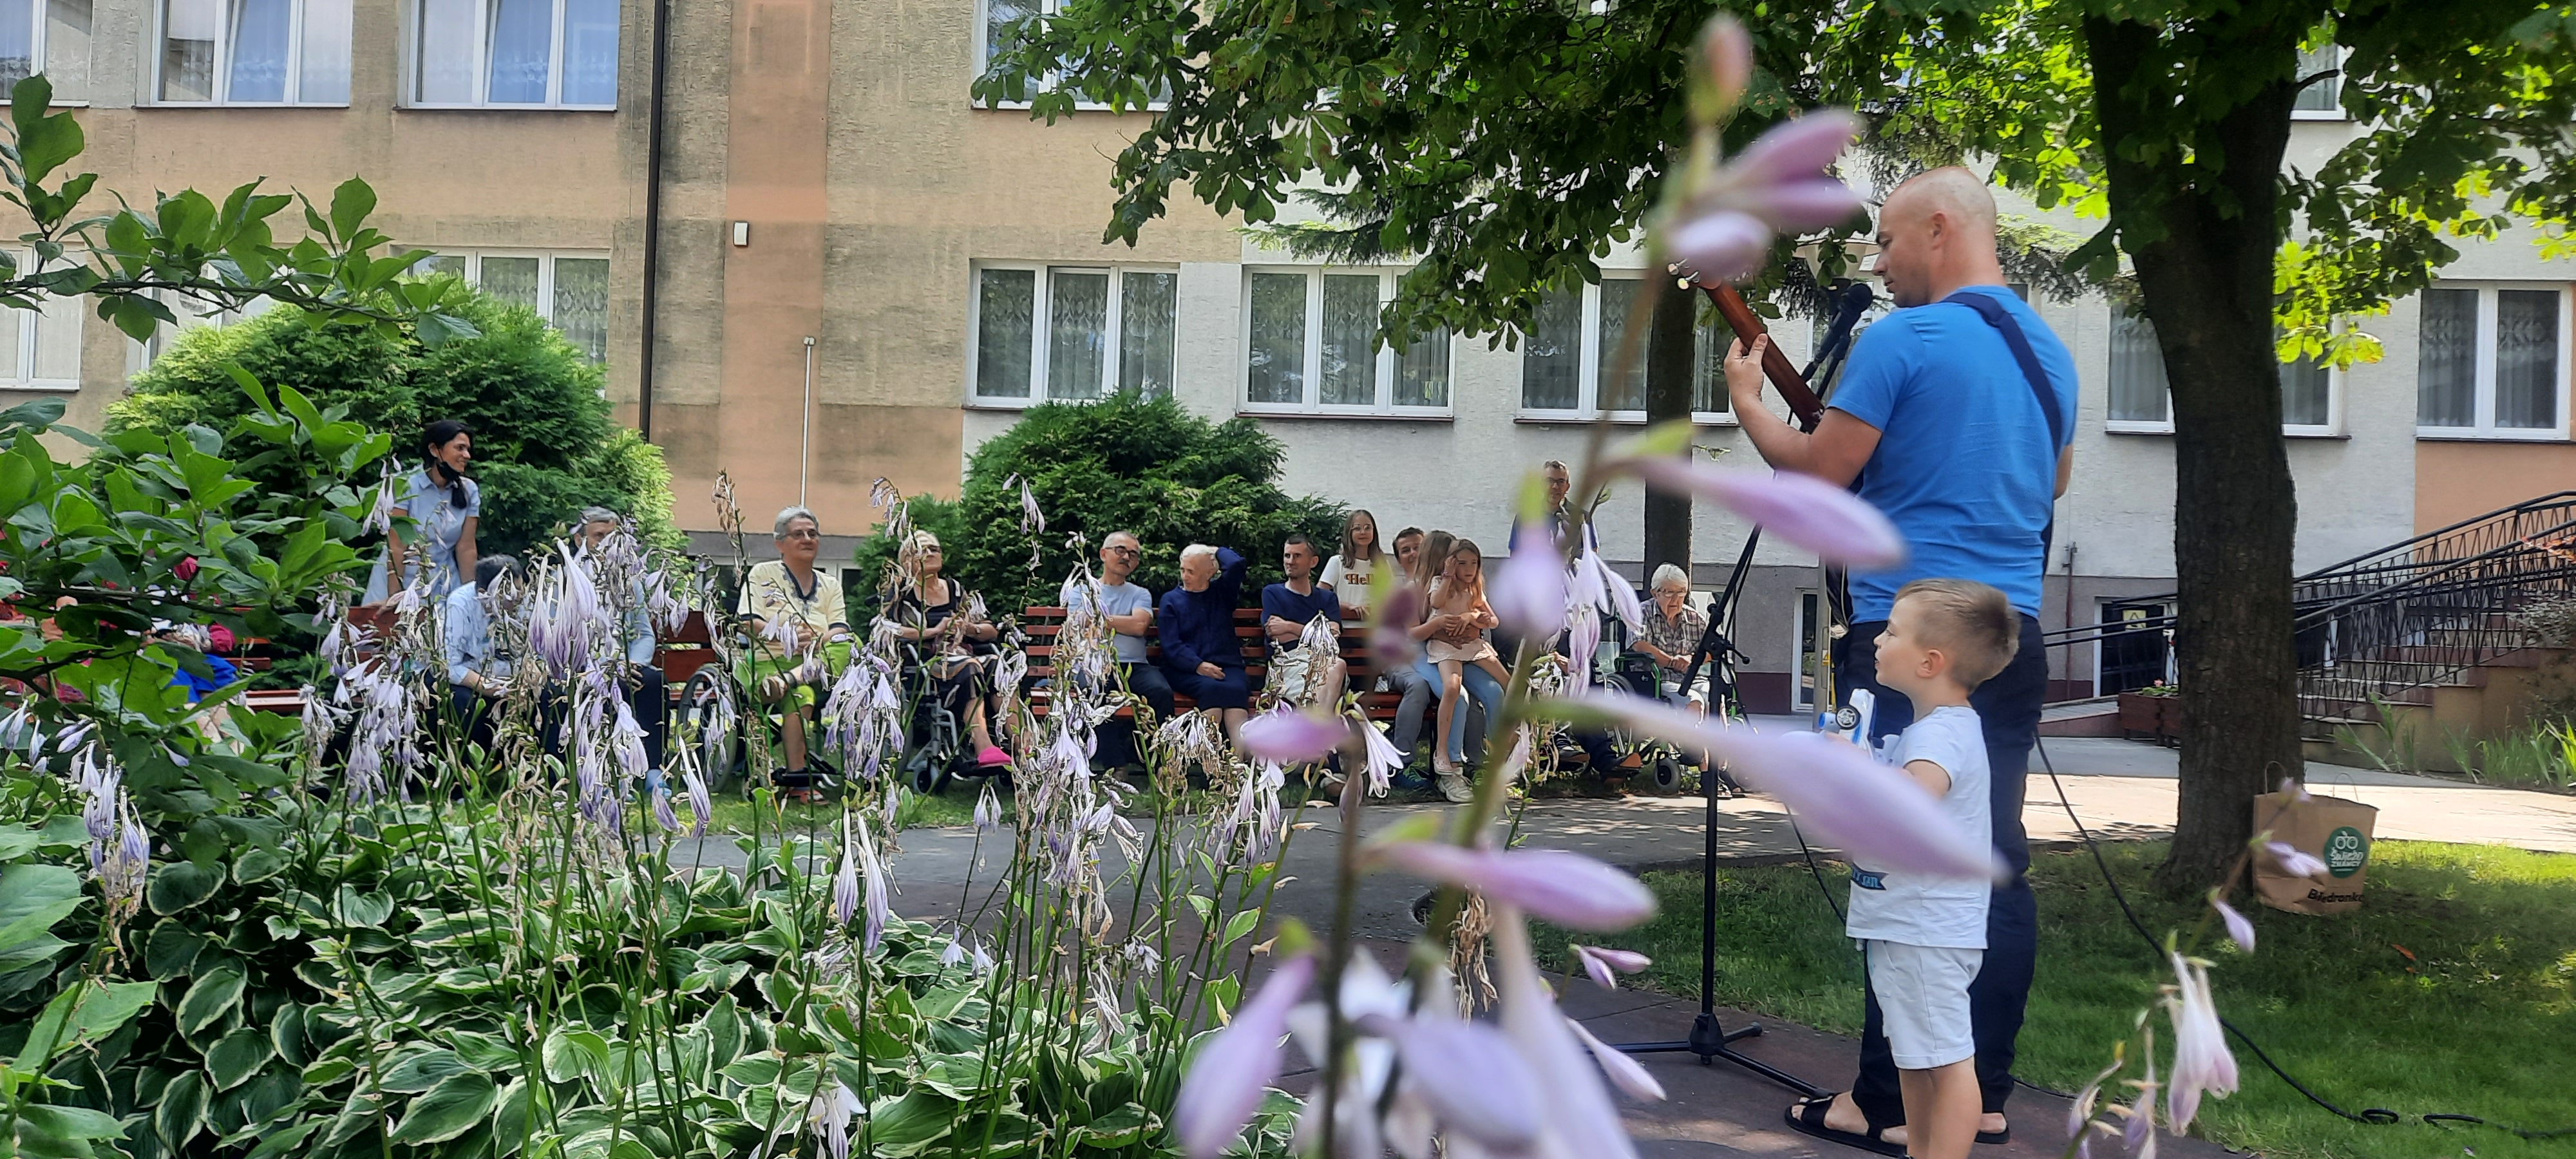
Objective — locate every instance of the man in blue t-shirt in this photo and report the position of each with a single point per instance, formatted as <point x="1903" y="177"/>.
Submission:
<point x="1936" y="424"/>
<point x="1299" y="674"/>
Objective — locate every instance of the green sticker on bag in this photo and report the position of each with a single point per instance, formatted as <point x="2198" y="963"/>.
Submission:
<point x="2346" y="851"/>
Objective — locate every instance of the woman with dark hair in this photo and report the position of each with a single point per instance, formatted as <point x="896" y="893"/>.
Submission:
<point x="444" y="507"/>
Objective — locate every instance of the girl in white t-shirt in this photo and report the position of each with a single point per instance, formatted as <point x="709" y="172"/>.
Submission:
<point x="1349" y="572"/>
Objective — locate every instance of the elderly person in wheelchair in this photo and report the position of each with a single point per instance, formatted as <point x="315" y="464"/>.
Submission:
<point x="801" y="633"/>
<point x="953" y="644"/>
<point x="1673" y="632"/>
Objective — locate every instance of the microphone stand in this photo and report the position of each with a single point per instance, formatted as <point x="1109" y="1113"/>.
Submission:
<point x="1709" y="1039"/>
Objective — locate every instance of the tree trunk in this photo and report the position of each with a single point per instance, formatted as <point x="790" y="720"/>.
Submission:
<point x="1668" y="396"/>
<point x="2202" y="236"/>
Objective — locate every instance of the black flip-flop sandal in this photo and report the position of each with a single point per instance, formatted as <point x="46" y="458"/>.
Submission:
<point x="1997" y="1138"/>
<point x="1807" y="1117"/>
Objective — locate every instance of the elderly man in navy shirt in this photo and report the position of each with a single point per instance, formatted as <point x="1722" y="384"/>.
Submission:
<point x="1200" y="651"/>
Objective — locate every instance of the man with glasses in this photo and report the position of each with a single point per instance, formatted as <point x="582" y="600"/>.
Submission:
<point x="1128" y="609"/>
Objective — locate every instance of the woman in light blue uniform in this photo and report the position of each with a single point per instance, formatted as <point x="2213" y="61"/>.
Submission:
<point x="444" y="506"/>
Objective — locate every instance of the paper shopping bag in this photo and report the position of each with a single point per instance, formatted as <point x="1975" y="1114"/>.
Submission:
<point x="2332" y="830"/>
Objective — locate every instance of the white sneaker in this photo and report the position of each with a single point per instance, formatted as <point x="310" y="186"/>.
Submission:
<point x="1456" y="788"/>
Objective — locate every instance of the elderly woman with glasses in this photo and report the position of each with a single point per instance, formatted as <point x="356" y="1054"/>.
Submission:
<point x="954" y="640"/>
<point x="795" y="610"/>
<point x="1673" y="630"/>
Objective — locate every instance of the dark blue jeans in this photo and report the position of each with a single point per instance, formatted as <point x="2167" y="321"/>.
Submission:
<point x="2008" y="707"/>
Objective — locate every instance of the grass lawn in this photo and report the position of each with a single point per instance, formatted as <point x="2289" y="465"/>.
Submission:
<point x="2452" y="990"/>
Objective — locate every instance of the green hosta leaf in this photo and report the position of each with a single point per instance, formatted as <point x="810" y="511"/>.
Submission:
<point x="420" y="1070"/>
<point x="180" y="885"/>
<point x="83" y="1012"/>
<point x="33" y="898"/>
<point x="907" y="1126"/>
<point x="484" y="1052"/>
<point x="572" y="1054"/>
<point x="757" y="1070"/>
<point x="171" y="950"/>
<point x="329" y="1071"/>
<point x="1239" y="925"/>
<point x="285" y="1141"/>
<point x="31" y="951"/>
<point x="362" y="910"/>
<point x="510" y="1118"/>
<point x="256" y="865"/>
<point x="239" y="1055"/>
<point x="451" y="1108"/>
<point x="723" y="1025"/>
<point x="45" y="1132"/>
<point x="182" y="1113"/>
<point x="1125" y="1126"/>
<point x="210" y="998"/>
<point x="17" y="841"/>
<point x="286" y="1035"/>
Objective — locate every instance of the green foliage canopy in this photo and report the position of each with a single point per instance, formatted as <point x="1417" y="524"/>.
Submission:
<point x="545" y="443"/>
<point x="1124" y="463"/>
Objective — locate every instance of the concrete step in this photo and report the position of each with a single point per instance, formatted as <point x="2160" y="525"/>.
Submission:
<point x="2099" y="716"/>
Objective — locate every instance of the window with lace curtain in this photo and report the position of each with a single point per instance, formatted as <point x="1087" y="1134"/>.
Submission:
<point x="1310" y="346"/>
<point x="1570" y="357"/>
<point x="559" y="54"/>
<point x="1070" y="333"/>
<point x="253" y="52"/>
<point x="2141" y="404"/>
<point x="568" y="290"/>
<point x="2323" y="99"/>
<point x="2492" y="361"/>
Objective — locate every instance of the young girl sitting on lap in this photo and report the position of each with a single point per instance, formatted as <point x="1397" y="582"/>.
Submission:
<point x="1458" y="598"/>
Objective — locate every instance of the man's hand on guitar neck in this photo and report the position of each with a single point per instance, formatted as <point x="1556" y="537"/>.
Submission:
<point x="1835" y="452"/>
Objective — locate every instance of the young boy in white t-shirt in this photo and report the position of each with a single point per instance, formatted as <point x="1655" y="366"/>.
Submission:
<point x="1926" y="937"/>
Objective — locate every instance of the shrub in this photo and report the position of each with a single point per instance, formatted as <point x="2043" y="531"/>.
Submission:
<point x="545" y="443"/>
<point x="1125" y="463"/>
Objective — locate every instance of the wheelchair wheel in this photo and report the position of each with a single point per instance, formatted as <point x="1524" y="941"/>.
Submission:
<point x="925" y="773"/>
<point x="1666" y="774"/>
<point x="724" y="764"/>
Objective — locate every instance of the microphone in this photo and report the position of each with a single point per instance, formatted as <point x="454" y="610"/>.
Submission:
<point x="1851" y="300"/>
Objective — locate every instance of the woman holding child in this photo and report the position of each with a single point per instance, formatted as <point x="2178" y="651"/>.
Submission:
<point x="1452" y="629"/>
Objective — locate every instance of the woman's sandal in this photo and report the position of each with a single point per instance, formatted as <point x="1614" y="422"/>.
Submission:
<point x="1807" y="1117"/>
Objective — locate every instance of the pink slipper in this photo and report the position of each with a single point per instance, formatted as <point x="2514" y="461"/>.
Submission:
<point x="993" y="757"/>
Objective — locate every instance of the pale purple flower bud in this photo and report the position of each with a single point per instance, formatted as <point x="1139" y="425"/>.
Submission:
<point x="1468" y="1075"/>
<point x="1625" y="1073"/>
<point x="1864" y="807"/>
<point x="1528" y="592"/>
<point x="2201" y="1060"/>
<point x="2295" y="791"/>
<point x="2139" y="1138"/>
<point x="1289" y="737"/>
<point x="845" y="884"/>
<point x="954" y="955"/>
<point x="1582" y="636"/>
<point x="1796" y="206"/>
<point x="1726" y="51"/>
<point x="701" y="806"/>
<point x="1226" y="1080"/>
<point x="1600" y="961"/>
<point x="988" y="809"/>
<point x="1798" y="149"/>
<point x="1568" y="889"/>
<point x="2239" y="929"/>
<point x="1580" y="1116"/>
<point x="2293" y="861"/>
<point x="1622" y="598"/>
<point x="1720" y="246"/>
<point x="1806" y="511"/>
<point x="663" y="814"/>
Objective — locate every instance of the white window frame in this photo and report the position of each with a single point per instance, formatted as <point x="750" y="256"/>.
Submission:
<point x="545" y="304"/>
<point x="2332" y="428"/>
<point x="30" y="325"/>
<point x="2335" y="54"/>
<point x="1588" y="371"/>
<point x="158" y="48"/>
<point x="1041" y="333"/>
<point x="483" y="63"/>
<point x="2484" y="428"/>
<point x="1386" y="356"/>
<point x="984" y="61"/>
<point x="40" y="50"/>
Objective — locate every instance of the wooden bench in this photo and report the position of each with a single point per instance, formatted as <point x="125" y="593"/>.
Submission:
<point x="1043" y="622"/>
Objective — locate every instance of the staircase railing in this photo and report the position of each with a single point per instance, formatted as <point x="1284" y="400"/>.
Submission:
<point x="2414" y="613"/>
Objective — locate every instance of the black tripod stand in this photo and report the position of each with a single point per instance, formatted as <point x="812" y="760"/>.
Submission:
<point x="1709" y="1038"/>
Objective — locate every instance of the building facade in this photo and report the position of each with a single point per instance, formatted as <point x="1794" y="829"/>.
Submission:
<point x="854" y="272"/>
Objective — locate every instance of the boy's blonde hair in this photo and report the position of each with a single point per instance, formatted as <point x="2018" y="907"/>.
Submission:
<point x="1972" y="623"/>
